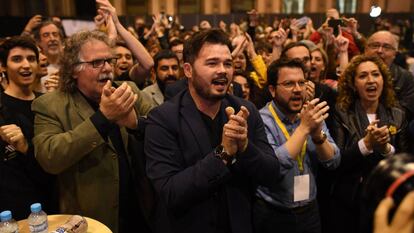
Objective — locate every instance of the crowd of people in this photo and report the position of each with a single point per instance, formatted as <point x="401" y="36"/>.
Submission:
<point x="247" y="128"/>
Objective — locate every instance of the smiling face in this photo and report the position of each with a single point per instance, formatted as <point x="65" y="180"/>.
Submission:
<point x="21" y="67"/>
<point x="124" y="62"/>
<point x="368" y="82"/>
<point x="211" y="73"/>
<point x="239" y="62"/>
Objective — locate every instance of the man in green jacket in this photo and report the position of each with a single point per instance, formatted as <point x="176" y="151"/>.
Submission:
<point x="81" y="135"/>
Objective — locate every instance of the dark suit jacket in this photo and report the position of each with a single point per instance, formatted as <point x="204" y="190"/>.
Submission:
<point x="186" y="174"/>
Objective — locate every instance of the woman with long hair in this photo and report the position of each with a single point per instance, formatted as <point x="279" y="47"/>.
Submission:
<point x="368" y="128"/>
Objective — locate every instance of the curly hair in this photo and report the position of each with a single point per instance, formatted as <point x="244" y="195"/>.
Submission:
<point x="71" y="56"/>
<point x="347" y="95"/>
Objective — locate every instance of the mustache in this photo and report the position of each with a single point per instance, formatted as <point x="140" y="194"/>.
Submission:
<point x="53" y="42"/>
<point x="170" y="78"/>
<point x="106" y="76"/>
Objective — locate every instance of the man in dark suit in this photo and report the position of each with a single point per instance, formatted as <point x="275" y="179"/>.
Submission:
<point x="206" y="150"/>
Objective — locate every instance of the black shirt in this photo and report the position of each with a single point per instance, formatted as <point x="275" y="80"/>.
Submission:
<point x="215" y="129"/>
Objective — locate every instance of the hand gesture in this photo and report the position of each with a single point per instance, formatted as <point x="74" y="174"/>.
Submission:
<point x="377" y="137"/>
<point x="106" y="8"/>
<point x="352" y="24"/>
<point x="253" y="17"/>
<point x="234" y="138"/>
<point x="33" y="23"/>
<point x="117" y="103"/>
<point x="13" y="135"/>
<point x="110" y="16"/>
<point x="52" y="83"/>
<point x="341" y="42"/>
<point x="278" y="38"/>
<point x="310" y="90"/>
<point x="312" y="115"/>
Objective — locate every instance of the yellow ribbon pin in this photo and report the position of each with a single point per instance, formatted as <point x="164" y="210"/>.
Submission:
<point x="392" y="129"/>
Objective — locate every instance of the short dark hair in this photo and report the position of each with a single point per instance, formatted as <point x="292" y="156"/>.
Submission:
<point x="17" y="41"/>
<point x="176" y="42"/>
<point x="276" y="66"/>
<point x="164" y="54"/>
<point x="292" y="45"/>
<point x="193" y="46"/>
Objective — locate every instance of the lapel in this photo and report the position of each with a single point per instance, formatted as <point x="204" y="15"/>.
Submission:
<point x="157" y="94"/>
<point x="84" y="110"/>
<point x="192" y="118"/>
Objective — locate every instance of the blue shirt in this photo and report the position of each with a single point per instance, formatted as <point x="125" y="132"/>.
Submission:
<point x="282" y="194"/>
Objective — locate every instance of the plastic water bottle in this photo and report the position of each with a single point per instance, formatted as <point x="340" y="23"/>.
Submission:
<point x="8" y="224"/>
<point x="37" y="219"/>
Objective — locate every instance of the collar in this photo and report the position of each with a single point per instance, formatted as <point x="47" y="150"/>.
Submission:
<point x="282" y="116"/>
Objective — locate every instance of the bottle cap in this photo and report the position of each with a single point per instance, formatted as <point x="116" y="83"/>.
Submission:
<point x="5" y="215"/>
<point x="36" y="207"/>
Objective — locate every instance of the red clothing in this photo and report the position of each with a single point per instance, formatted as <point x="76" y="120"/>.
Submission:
<point x="353" y="49"/>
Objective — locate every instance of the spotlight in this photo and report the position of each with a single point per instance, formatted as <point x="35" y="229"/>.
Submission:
<point x="375" y="11"/>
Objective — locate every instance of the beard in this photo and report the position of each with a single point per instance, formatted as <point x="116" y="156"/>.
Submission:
<point x="285" y="106"/>
<point x="205" y="90"/>
<point x="170" y="79"/>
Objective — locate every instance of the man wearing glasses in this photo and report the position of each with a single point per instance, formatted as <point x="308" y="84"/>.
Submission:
<point x="296" y="131"/>
<point x="385" y="45"/>
<point x="81" y="135"/>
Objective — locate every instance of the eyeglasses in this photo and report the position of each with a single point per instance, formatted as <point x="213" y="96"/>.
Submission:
<point x="385" y="47"/>
<point x="98" y="63"/>
<point x="290" y="84"/>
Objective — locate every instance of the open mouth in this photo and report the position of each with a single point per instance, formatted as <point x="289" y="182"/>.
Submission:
<point x="220" y="81"/>
<point x="371" y="89"/>
<point x="26" y="74"/>
<point x="123" y="68"/>
<point x="297" y="100"/>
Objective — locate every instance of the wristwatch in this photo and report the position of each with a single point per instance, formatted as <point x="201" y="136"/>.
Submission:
<point x="220" y="153"/>
<point x="321" y="140"/>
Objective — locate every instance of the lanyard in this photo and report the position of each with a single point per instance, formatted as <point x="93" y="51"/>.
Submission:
<point x="301" y="156"/>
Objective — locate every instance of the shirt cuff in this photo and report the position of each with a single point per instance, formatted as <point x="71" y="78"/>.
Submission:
<point x="391" y="152"/>
<point x="364" y="150"/>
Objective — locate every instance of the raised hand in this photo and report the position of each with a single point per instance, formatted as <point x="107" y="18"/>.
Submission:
<point x="52" y="83"/>
<point x="312" y="115"/>
<point x="310" y="90"/>
<point x="117" y="103"/>
<point x="341" y="42"/>
<point x="279" y="37"/>
<point x="13" y="135"/>
<point x="235" y="130"/>
<point x="33" y="23"/>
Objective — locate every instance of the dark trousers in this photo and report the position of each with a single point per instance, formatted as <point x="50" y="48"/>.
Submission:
<point x="270" y="219"/>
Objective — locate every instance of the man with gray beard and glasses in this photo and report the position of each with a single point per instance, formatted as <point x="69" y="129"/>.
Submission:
<point x="81" y="136"/>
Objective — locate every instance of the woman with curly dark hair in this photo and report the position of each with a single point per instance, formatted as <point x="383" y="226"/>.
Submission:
<point x="368" y="128"/>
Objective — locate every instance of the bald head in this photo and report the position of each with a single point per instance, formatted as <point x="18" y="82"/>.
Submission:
<point x="383" y="44"/>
